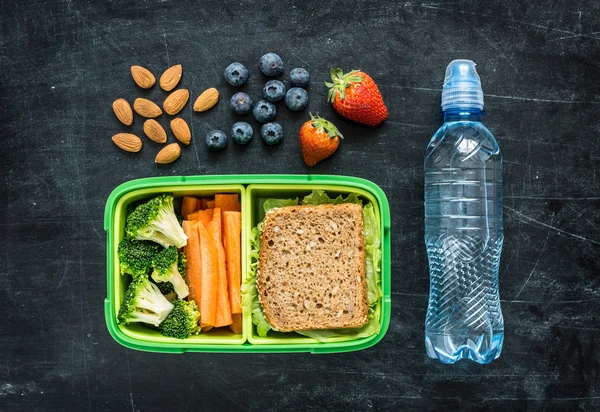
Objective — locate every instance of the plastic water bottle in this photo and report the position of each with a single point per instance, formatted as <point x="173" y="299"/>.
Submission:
<point x="463" y="226"/>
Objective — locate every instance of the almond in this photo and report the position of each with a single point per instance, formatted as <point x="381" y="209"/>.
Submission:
<point x="128" y="142"/>
<point x="176" y="101"/>
<point x="168" y="154"/>
<point x="155" y="131"/>
<point x="146" y="108"/>
<point x="142" y="77"/>
<point x="206" y="100"/>
<point x="170" y="77"/>
<point x="123" y="111"/>
<point x="181" y="130"/>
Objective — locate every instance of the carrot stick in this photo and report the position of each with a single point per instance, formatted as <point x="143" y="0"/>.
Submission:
<point x="228" y="202"/>
<point x="203" y="202"/>
<point x="192" y="216"/>
<point x="188" y="205"/>
<point x="210" y="204"/>
<point x="205" y="216"/>
<point x="223" y="316"/>
<point x="193" y="270"/>
<point x="236" y="324"/>
<point x="232" y="227"/>
<point x="208" y="300"/>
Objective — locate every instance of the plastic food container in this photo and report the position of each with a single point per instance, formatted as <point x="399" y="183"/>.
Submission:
<point x="253" y="191"/>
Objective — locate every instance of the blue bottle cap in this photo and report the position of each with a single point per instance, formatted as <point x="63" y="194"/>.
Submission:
<point x="462" y="86"/>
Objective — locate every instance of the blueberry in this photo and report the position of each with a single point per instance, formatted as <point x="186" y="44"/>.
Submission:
<point x="274" y="91"/>
<point x="296" y="99"/>
<point x="264" y="111"/>
<point x="241" y="103"/>
<point x="216" y="140"/>
<point x="271" y="65"/>
<point x="299" y="77"/>
<point x="272" y="133"/>
<point x="236" y="74"/>
<point x="241" y="133"/>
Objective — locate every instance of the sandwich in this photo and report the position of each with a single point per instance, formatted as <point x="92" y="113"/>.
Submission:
<point x="315" y="268"/>
<point x="312" y="268"/>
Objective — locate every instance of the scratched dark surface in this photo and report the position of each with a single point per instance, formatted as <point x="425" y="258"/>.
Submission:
<point x="62" y="63"/>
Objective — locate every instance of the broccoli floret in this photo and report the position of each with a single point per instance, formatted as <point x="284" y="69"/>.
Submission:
<point x="135" y="256"/>
<point x="181" y="262"/>
<point x="164" y="287"/>
<point x="182" y="321"/>
<point x="165" y="270"/>
<point x="155" y="220"/>
<point x="143" y="302"/>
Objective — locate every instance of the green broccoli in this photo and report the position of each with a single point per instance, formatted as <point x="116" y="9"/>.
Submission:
<point x="155" y="220"/>
<point x="143" y="302"/>
<point x="165" y="270"/>
<point x="182" y="321"/>
<point x="135" y="256"/>
<point x="166" y="288"/>
<point x="181" y="262"/>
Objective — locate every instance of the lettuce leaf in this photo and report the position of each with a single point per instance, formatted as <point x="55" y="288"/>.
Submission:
<point x="273" y="203"/>
<point x="319" y="197"/>
<point x="250" y="302"/>
<point x="372" y="234"/>
<point x="373" y="249"/>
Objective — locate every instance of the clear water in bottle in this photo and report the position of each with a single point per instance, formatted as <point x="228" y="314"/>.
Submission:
<point x="463" y="226"/>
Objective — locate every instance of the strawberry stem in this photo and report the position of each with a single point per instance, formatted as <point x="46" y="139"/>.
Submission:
<point x="340" y="82"/>
<point x="327" y="126"/>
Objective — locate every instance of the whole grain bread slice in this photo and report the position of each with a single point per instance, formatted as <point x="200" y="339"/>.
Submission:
<point x="312" y="270"/>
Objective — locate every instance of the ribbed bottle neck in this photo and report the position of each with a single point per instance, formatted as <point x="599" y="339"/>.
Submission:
<point x="469" y="114"/>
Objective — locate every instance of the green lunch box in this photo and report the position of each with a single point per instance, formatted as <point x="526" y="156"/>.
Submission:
<point x="253" y="191"/>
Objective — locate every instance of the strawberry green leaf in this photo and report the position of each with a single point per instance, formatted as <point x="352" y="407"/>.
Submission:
<point x="340" y="82"/>
<point x="326" y="125"/>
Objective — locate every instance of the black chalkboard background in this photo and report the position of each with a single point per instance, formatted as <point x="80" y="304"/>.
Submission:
<point x="62" y="63"/>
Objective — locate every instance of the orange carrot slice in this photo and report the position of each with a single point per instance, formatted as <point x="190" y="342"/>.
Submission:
<point x="205" y="216"/>
<point x="193" y="270"/>
<point x="192" y="216"/>
<point x="223" y="316"/>
<point x="210" y="277"/>
<point x="228" y="202"/>
<point x="232" y="228"/>
<point x="188" y="205"/>
<point x="236" y="323"/>
<point x="203" y="202"/>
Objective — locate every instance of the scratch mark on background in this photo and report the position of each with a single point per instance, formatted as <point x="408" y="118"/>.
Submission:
<point x="549" y="198"/>
<point x="497" y="49"/>
<point x="533" y="99"/>
<point x="301" y="59"/>
<point x="523" y="218"/>
<point x="192" y="130"/>
<point x="500" y="96"/>
<point x="536" y="263"/>
<point x="166" y="47"/>
<point x="580" y="214"/>
<point x="129" y="379"/>
<point x="420" y="126"/>
<point x="67" y="262"/>
<point x="85" y="368"/>
<point x="425" y="89"/>
<point x="525" y="23"/>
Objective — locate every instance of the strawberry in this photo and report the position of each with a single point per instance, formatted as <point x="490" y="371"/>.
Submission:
<point x="356" y="97"/>
<point x="319" y="139"/>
